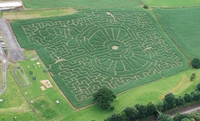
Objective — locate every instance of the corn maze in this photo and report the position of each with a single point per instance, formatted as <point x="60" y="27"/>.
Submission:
<point x="118" y="50"/>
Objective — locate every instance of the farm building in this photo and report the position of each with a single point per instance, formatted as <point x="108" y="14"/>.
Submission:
<point x="11" y="6"/>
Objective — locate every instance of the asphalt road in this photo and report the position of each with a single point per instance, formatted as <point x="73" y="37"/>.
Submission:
<point x="15" y="52"/>
<point x="4" y="66"/>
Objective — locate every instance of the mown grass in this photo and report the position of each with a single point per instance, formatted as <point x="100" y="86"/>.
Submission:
<point x="20" y="116"/>
<point x="29" y="14"/>
<point x="12" y="93"/>
<point x="44" y="102"/>
<point x="142" y="95"/>
<point x="34" y="4"/>
<point x="14" y="104"/>
<point x="171" y="3"/>
<point x="21" y="77"/>
<point x="44" y="108"/>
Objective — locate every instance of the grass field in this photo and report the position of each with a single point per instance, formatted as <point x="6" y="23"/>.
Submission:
<point x="90" y="50"/>
<point x="42" y="101"/>
<point x="35" y="4"/>
<point x="171" y="3"/>
<point x="14" y="103"/>
<point x="182" y="26"/>
<point x="142" y="95"/>
<point x="29" y="14"/>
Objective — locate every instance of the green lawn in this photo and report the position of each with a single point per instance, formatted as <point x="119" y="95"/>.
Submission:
<point x="43" y="101"/>
<point x="20" y="116"/>
<point x="172" y="3"/>
<point x="34" y="4"/>
<point x="142" y="95"/>
<point x="182" y="25"/>
<point x="14" y="104"/>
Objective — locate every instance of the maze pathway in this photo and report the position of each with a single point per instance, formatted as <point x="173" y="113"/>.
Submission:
<point x="118" y="50"/>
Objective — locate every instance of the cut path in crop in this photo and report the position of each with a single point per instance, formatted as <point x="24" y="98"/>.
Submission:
<point x="86" y="51"/>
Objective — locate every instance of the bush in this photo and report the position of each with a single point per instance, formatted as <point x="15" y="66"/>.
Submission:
<point x="146" y="7"/>
<point x="195" y="63"/>
<point x="192" y="77"/>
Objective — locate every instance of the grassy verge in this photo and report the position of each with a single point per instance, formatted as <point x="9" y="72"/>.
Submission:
<point x="35" y="4"/>
<point x="30" y="14"/>
<point x="172" y="3"/>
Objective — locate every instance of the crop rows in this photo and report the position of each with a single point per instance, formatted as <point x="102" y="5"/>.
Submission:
<point x="181" y="26"/>
<point x="118" y="50"/>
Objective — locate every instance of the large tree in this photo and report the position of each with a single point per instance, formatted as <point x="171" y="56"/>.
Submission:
<point x="151" y="108"/>
<point x="164" y="117"/>
<point x="169" y="101"/>
<point x="142" y="110"/>
<point x="195" y="63"/>
<point x="131" y="113"/>
<point x="114" y="117"/>
<point x="104" y="97"/>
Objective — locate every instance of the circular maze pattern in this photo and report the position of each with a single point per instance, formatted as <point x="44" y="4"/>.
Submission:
<point x="119" y="50"/>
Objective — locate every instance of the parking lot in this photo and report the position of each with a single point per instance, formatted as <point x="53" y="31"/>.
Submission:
<point x="10" y="42"/>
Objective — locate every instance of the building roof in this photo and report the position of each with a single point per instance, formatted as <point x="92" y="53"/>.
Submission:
<point x="10" y="4"/>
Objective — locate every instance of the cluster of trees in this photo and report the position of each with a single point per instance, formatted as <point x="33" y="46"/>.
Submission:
<point x="179" y="117"/>
<point x="104" y="97"/>
<point x="195" y="63"/>
<point x="133" y="113"/>
<point x="169" y="102"/>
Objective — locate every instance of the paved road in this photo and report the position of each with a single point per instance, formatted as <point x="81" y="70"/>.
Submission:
<point x="15" y="52"/>
<point x="186" y="110"/>
<point x="4" y="66"/>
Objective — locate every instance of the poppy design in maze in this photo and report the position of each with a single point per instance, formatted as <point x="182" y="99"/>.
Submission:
<point x="109" y="49"/>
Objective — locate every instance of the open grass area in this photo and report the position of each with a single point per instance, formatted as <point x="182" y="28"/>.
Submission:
<point x="87" y="51"/>
<point x="142" y="95"/>
<point x="18" y="116"/>
<point x="29" y="14"/>
<point x="11" y="93"/>
<point x="182" y="25"/>
<point x="35" y="4"/>
<point x="42" y="101"/>
<point x="172" y="3"/>
<point x="14" y="104"/>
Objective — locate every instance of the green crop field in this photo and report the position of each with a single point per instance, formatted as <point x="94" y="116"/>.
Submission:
<point x="182" y="26"/>
<point x="172" y="3"/>
<point x="35" y="4"/>
<point x="89" y="50"/>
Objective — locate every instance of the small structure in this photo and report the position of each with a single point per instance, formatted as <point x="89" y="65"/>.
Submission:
<point x="11" y="5"/>
<point x="46" y="83"/>
<point x="35" y="58"/>
<point x="57" y="101"/>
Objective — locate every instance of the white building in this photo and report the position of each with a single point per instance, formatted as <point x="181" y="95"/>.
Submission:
<point x="17" y="5"/>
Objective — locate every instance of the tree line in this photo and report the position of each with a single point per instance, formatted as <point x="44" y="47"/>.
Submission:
<point x="170" y="101"/>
